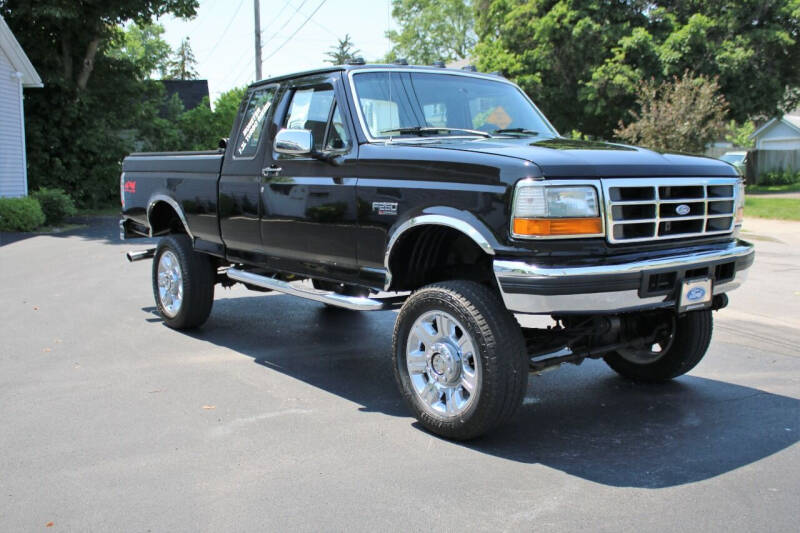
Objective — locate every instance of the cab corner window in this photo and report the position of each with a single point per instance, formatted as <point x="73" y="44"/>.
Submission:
<point x="338" y="139"/>
<point x="253" y="121"/>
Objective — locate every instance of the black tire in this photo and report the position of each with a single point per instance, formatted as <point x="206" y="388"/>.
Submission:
<point x="690" y="340"/>
<point x="498" y="339"/>
<point x="198" y="278"/>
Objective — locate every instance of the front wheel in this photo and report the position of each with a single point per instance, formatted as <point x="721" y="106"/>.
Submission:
<point x="183" y="283"/>
<point x="679" y="345"/>
<point x="459" y="359"/>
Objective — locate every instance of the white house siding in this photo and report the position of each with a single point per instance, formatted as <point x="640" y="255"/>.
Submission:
<point x="779" y="137"/>
<point x="13" y="180"/>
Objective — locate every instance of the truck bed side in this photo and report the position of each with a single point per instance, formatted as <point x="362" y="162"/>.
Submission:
<point x="184" y="181"/>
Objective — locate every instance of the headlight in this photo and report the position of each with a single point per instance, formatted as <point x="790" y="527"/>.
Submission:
<point x="542" y="210"/>
<point x="739" y="216"/>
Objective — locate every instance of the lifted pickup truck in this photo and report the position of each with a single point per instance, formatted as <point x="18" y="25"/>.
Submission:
<point x="447" y="194"/>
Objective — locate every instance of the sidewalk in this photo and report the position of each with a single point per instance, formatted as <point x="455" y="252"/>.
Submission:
<point x="785" y="231"/>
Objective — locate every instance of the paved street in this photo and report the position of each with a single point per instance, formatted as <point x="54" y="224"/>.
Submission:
<point x="281" y="414"/>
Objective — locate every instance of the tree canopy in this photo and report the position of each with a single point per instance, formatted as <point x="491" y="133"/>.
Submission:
<point x="342" y="52"/>
<point x="95" y="88"/>
<point x="432" y="30"/>
<point x="182" y="65"/>
<point x="142" y="46"/>
<point x="682" y="114"/>
<point x="583" y="61"/>
<point x="76" y="31"/>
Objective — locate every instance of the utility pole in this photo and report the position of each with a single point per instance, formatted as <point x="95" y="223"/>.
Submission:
<point x="257" y="11"/>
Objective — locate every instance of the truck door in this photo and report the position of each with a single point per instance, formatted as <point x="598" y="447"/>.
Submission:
<point x="239" y="209"/>
<point x="308" y="222"/>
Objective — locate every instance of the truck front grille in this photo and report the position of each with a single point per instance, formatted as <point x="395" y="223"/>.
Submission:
<point x="646" y="209"/>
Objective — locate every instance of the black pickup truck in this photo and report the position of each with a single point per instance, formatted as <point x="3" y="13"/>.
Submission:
<point x="447" y="194"/>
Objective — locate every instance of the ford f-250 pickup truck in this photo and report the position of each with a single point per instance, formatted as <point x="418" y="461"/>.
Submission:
<point x="447" y="194"/>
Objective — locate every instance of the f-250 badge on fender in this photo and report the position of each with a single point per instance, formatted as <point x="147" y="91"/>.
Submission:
<point x="385" y="208"/>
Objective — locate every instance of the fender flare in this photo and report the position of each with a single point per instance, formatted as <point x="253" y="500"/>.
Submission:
<point x="474" y="229"/>
<point x="155" y="199"/>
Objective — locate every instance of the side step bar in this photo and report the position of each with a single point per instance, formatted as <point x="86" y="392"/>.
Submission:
<point x="138" y="256"/>
<point x="356" y="303"/>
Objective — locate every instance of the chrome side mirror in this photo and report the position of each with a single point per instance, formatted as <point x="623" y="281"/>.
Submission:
<point x="294" y="142"/>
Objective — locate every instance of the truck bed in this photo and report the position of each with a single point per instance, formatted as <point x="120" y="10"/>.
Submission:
<point x="190" y="179"/>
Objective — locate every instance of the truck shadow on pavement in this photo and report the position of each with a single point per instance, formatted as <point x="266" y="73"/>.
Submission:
<point x="584" y="421"/>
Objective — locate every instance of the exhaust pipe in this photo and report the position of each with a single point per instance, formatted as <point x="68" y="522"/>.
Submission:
<point x="138" y="256"/>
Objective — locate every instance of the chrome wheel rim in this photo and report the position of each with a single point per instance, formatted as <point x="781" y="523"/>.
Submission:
<point x="170" y="284"/>
<point x="646" y="354"/>
<point x="443" y="364"/>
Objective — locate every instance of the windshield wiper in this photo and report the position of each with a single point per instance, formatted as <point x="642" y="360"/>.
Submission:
<point x="521" y="131"/>
<point x="420" y="130"/>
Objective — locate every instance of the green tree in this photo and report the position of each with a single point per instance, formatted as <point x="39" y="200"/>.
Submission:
<point x="432" y="30"/>
<point x="583" y="60"/>
<point x="75" y="125"/>
<point x="679" y="115"/>
<point x="77" y="31"/>
<point x="342" y="52"/>
<point x="739" y="134"/>
<point x="202" y="127"/>
<point x="182" y="65"/>
<point x="143" y="46"/>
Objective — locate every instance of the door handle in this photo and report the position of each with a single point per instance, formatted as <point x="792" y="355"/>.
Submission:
<point x="271" y="171"/>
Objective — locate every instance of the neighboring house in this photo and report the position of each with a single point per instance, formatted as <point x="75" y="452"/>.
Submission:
<point x="190" y="92"/>
<point x="780" y="133"/>
<point x="16" y="73"/>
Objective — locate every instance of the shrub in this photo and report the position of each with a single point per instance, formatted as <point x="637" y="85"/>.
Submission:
<point x="779" y="177"/>
<point x="56" y="204"/>
<point x="20" y="214"/>
<point x="678" y="115"/>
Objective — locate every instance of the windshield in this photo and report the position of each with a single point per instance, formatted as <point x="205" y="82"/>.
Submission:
<point x="733" y="158"/>
<point x="412" y="104"/>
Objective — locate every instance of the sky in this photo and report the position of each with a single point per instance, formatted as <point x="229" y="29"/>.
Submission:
<point x="222" y="36"/>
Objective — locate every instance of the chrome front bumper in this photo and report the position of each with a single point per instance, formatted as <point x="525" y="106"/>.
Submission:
<point x="613" y="288"/>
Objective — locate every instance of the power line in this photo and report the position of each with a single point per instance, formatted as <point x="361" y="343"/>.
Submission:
<point x="225" y="31"/>
<point x="276" y="17"/>
<point x="296" y="31"/>
<point x="271" y="37"/>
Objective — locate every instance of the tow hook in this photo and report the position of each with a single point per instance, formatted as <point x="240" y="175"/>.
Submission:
<point x="720" y="302"/>
<point x="138" y="256"/>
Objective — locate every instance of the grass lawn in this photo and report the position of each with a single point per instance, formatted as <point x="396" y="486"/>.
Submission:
<point x="756" y="189"/>
<point x="780" y="208"/>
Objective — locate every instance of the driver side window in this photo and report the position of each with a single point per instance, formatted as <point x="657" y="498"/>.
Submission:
<point x="315" y="109"/>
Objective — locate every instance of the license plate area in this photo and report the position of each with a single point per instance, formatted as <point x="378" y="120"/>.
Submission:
<point x="694" y="294"/>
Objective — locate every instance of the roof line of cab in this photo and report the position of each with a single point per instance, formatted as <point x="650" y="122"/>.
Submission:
<point x="362" y="66"/>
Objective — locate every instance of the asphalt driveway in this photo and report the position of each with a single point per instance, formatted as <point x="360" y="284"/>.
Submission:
<point x="281" y="414"/>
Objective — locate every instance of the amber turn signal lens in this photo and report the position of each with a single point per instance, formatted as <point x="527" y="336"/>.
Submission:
<point x="542" y="227"/>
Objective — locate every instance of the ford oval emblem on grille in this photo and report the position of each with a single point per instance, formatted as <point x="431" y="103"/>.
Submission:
<point x="696" y="294"/>
<point x="683" y="209"/>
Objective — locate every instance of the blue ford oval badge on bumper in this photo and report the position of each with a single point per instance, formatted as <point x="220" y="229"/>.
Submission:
<point x="695" y="294"/>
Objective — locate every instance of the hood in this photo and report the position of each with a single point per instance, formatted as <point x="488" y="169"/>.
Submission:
<point x="568" y="158"/>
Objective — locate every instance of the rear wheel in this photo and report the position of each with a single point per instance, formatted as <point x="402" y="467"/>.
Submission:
<point x="459" y="359"/>
<point x="680" y="343"/>
<point x="183" y="283"/>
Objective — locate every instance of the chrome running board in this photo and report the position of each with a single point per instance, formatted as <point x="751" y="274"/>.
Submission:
<point x="356" y="303"/>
